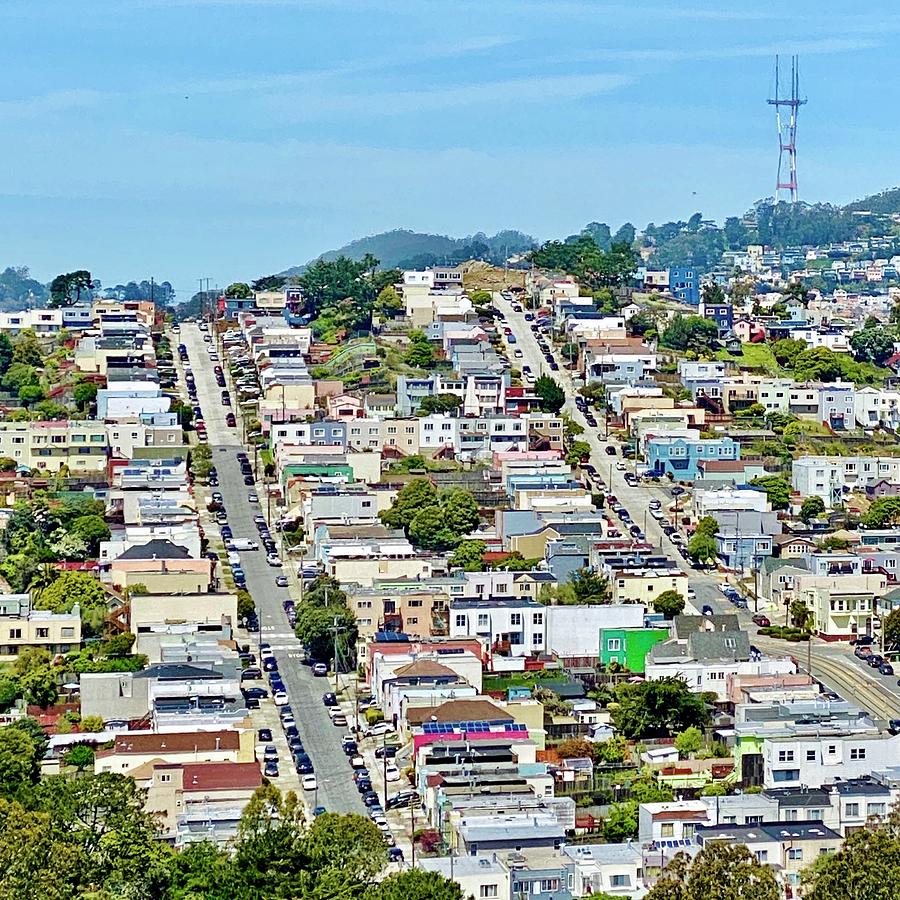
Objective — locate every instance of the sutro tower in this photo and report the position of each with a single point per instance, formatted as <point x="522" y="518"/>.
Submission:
<point x="787" y="130"/>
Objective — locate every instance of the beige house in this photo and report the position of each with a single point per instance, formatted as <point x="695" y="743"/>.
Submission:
<point x="162" y="568"/>
<point x="198" y="608"/>
<point x="81" y="446"/>
<point x="842" y="607"/>
<point x="645" y="585"/>
<point x="211" y="794"/>
<point x="419" y="612"/>
<point x="134" y="750"/>
<point x="21" y="626"/>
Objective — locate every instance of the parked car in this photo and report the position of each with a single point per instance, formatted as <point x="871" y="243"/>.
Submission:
<point x="264" y="735"/>
<point x="874" y="660"/>
<point x="391" y="773"/>
<point x="378" y="729"/>
<point x="886" y="668"/>
<point x="309" y="782"/>
<point x="329" y="699"/>
<point x="270" y="770"/>
<point x="403" y="799"/>
<point x="320" y="670"/>
<point x="761" y="620"/>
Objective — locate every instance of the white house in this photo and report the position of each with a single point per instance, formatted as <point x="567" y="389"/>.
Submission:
<point x="514" y="626"/>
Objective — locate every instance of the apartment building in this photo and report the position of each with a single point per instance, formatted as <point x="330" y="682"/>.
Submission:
<point x="21" y="626"/>
<point x="81" y="446"/>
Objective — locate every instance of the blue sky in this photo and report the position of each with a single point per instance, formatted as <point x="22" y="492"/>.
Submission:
<point x="233" y="138"/>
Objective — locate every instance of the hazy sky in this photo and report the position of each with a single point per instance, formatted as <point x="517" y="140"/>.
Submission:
<point x="233" y="138"/>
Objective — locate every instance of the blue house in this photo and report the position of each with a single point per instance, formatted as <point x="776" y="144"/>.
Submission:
<point x="684" y="284"/>
<point x="679" y="456"/>
<point x="720" y="313"/>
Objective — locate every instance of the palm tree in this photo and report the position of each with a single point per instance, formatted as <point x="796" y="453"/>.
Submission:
<point x="42" y="579"/>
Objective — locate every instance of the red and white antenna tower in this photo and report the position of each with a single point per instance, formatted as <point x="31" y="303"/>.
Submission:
<point x="787" y="130"/>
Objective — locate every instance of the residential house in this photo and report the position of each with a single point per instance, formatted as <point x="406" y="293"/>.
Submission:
<point x="133" y="750"/>
<point x="679" y="456"/>
<point x="21" y="626"/>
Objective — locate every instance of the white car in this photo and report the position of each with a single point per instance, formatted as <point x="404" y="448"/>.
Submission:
<point x="392" y="773"/>
<point x="309" y="783"/>
<point x="378" y="729"/>
<point x="384" y="827"/>
<point x="273" y="559"/>
<point x="281" y="698"/>
<point x="620" y="466"/>
<point x="234" y="559"/>
<point x="287" y="721"/>
<point x="357" y="762"/>
<point x="266" y="652"/>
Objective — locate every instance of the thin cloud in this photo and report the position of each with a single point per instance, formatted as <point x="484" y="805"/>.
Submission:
<point x="51" y="102"/>
<point x="517" y="92"/>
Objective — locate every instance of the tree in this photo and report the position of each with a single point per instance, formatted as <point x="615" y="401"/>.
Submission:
<point x="657" y="708"/>
<point x="269" y="283"/>
<point x="776" y="488"/>
<point x="720" y="870"/>
<point x="688" y="742"/>
<point x="577" y="452"/>
<point x="440" y="403"/>
<point x="468" y="556"/>
<point x="411" y="498"/>
<point x="622" y="823"/>
<point x="92" y="724"/>
<point x="669" y="604"/>
<point x="552" y="397"/>
<point x="702" y="548"/>
<point x="891" y="630"/>
<point x="245" y="604"/>
<point x="92" y="530"/>
<point x="612" y="751"/>
<point x="690" y="333"/>
<point x="625" y="234"/>
<point x="460" y="510"/>
<point x="801" y="615"/>
<point x="349" y="843"/>
<point x="419" y="353"/>
<point x="414" y="884"/>
<point x="315" y="629"/>
<point x="883" y="511"/>
<point x="817" y="364"/>
<point x="84" y="394"/>
<point x="873" y="344"/>
<point x="79" y="588"/>
<point x="866" y="866"/>
<point x="575" y="748"/>
<point x="589" y="587"/>
<point x="713" y="293"/>
<point x="239" y="290"/>
<point x="6" y="353"/>
<point x="67" y="289"/>
<point x="811" y="508"/>
<point x="389" y="303"/>
<point x="713" y="789"/>
<point x="430" y="530"/>
<point x="29" y="394"/>
<point x="708" y="526"/>
<point x="80" y="756"/>
<point x="18" y="375"/>
<point x="17" y="750"/>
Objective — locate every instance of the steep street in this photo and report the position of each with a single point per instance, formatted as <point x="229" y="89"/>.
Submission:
<point x="833" y="664"/>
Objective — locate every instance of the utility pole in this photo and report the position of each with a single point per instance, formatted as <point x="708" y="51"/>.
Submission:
<point x="384" y="766"/>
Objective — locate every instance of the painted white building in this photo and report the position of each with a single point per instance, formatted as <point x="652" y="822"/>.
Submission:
<point x="815" y="760"/>
<point x="518" y="627"/>
<point x="574" y="631"/>
<point x="874" y="406"/>
<point x="827" y="476"/>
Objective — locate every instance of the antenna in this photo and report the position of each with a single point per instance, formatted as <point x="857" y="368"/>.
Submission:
<point x="787" y="130"/>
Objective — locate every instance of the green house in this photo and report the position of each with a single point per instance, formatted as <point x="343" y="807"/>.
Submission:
<point x="629" y="646"/>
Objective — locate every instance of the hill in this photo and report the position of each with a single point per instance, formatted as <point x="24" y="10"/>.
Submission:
<point x="406" y="249"/>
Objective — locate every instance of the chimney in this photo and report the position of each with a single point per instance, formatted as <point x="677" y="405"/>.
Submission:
<point x="218" y="742"/>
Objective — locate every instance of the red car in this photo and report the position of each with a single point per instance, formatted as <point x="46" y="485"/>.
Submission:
<point x="230" y="420"/>
<point x="761" y="620"/>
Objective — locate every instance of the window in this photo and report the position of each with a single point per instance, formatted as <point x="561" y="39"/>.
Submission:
<point x="460" y="621"/>
<point x="795" y="853"/>
<point x="488" y="890"/>
<point x="614" y="644"/>
<point x="781" y="775"/>
<point x="537" y="640"/>
<point x="515" y="618"/>
<point x="667" y="830"/>
<point x="412" y="620"/>
<point x="537" y="619"/>
<point x="165" y="778"/>
<point x="851" y="809"/>
<point x="15" y="634"/>
<point x="482" y="620"/>
<point x="549" y="884"/>
<point x="42" y="632"/>
<point x="620" y="881"/>
<point x="762" y="855"/>
<point x="857" y="753"/>
<point x="875" y="809"/>
<point x="785" y="756"/>
<point x="67" y="632"/>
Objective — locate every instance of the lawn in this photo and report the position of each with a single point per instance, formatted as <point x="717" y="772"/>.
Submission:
<point x="755" y="356"/>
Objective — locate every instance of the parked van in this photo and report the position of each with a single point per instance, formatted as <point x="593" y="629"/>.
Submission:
<point x="242" y="544"/>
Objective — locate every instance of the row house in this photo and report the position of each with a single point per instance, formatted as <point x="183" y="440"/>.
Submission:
<point x="81" y="446"/>
<point x="832" y="477"/>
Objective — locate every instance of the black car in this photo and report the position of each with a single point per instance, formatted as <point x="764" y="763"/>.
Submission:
<point x="610" y="450"/>
<point x="295" y="744"/>
<point x="329" y="699"/>
<point x="249" y="480"/>
<point x="370" y="798"/>
<point x="303" y="764"/>
<point x="364" y="785"/>
<point x="264" y="736"/>
<point x="351" y="748"/>
<point x="386" y="752"/>
<point x="403" y="799"/>
<point x="291" y="731"/>
<point x="251" y="702"/>
<point x="256" y="692"/>
<point x="875" y="660"/>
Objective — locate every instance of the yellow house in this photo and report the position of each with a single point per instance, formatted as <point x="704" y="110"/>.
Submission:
<point x="645" y="585"/>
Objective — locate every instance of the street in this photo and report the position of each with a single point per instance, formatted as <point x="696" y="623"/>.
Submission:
<point x="336" y="791"/>
<point x="831" y="663"/>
